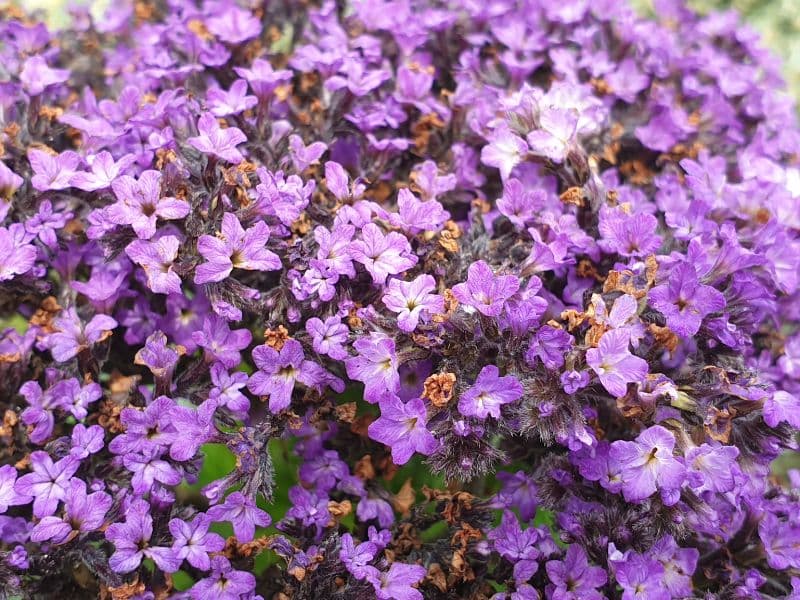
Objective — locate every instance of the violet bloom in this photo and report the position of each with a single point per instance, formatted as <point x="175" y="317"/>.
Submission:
<point x="194" y="542"/>
<point x="782" y="407"/>
<point x="555" y="135"/>
<point x="224" y="583"/>
<point x="712" y="468"/>
<point x="226" y="389"/>
<point x="86" y="440"/>
<point x="328" y="337"/>
<point x="143" y="429"/>
<point x="376" y="366"/>
<point x="82" y="513"/>
<point x="233" y="25"/>
<point x="397" y="582"/>
<point x="573" y="578"/>
<point x="648" y="465"/>
<point x="356" y="559"/>
<point x="220" y="342"/>
<point x="131" y="541"/>
<point x="9" y="495"/>
<point x="157" y="258"/>
<point x="684" y="301"/>
<point x="277" y="373"/>
<point x="518" y="491"/>
<point x="10" y="182"/>
<point x="48" y="482"/>
<point x="147" y="468"/>
<point x="412" y="300"/>
<point x="46" y="222"/>
<point x="504" y="151"/>
<point x="485" y="291"/>
<point x="139" y="203"/>
<point x="516" y="545"/>
<point x="626" y="234"/>
<point x="52" y="172"/>
<point x="217" y="141"/>
<point x="641" y="578"/>
<point x="614" y="364"/>
<point x="304" y="156"/>
<point x="36" y="75"/>
<point x="158" y="357"/>
<point x="572" y="381"/>
<point x="242" y="513"/>
<point x="309" y="508"/>
<point x="190" y="428"/>
<point x="104" y="171"/>
<point x="401" y="426"/>
<point x="222" y="103"/>
<point x="72" y="336"/>
<point x="489" y="393"/>
<point x="17" y="256"/>
<point x="679" y="565"/>
<point x="324" y="471"/>
<point x="263" y="78"/>
<point x="237" y="248"/>
<point x="781" y="540"/>
<point x="382" y="255"/>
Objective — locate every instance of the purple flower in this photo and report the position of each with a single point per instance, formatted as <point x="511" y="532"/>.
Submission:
<point x="158" y="357"/>
<point x="226" y="389"/>
<point x="679" y="565"/>
<point x="782" y="407"/>
<point x="36" y="76"/>
<point x="648" y="465"/>
<point x="190" y="429"/>
<point x="781" y="541"/>
<point x="572" y="381"/>
<point x="304" y="156"/>
<point x="309" y="508"/>
<point x="10" y="182"/>
<point x="237" y="248"/>
<point x="412" y="300"/>
<point x="641" y="578"/>
<point x="131" y="541"/>
<point x="614" y="364"/>
<point x="48" y="482"/>
<point x="684" y="301"/>
<point x="328" y="337"/>
<point x="382" y="255"/>
<point x="712" y="468"/>
<point x="147" y="468"/>
<point x="262" y="78"/>
<point x="233" y="25"/>
<point x="356" y="559"/>
<point x="415" y="216"/>
<point x="83" y="513"/>
<point x="225" y="583"/>
<point x="9" y="495"/>
<point x="193" y="541"/>
<point x="217" y="141"/>
<point x="243" y="514"/>
<point x="157" y="258"/>
<point x="139" y="203"/>
<point x="504" y="151"/>
<point x="489" y="393"/>
<point x="401" y="426"/>
<point x="72" y="336"/>
<point x="17" y="256"/>
<point x="626" y="234"/>
<point x="556" y="133"/>
<point x="516" y="545"/>
<point x="142" y="428"/>
<point x="104" y="171"/>
<point x="375" y="366"/>
<point x="573" y="578"/>
<point x="518" y="491"/>
<point x="485" y="291"/>
<point x="52" y="172"/>
<point x="46" y="222"/>
<point x="222" y="343"/>
<point x="86" y="440"/>
<point x="397" y="582"/>
<point x="325" y="471"/>
<point x="234" y="101"/>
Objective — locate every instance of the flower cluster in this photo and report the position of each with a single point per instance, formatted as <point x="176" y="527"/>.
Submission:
<point x="397" y="298"/>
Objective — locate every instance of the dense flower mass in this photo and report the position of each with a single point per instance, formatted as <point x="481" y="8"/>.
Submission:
<point x="397" y="299"/>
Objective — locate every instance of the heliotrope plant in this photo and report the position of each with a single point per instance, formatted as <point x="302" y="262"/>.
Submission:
<point x="546" y="253"/>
